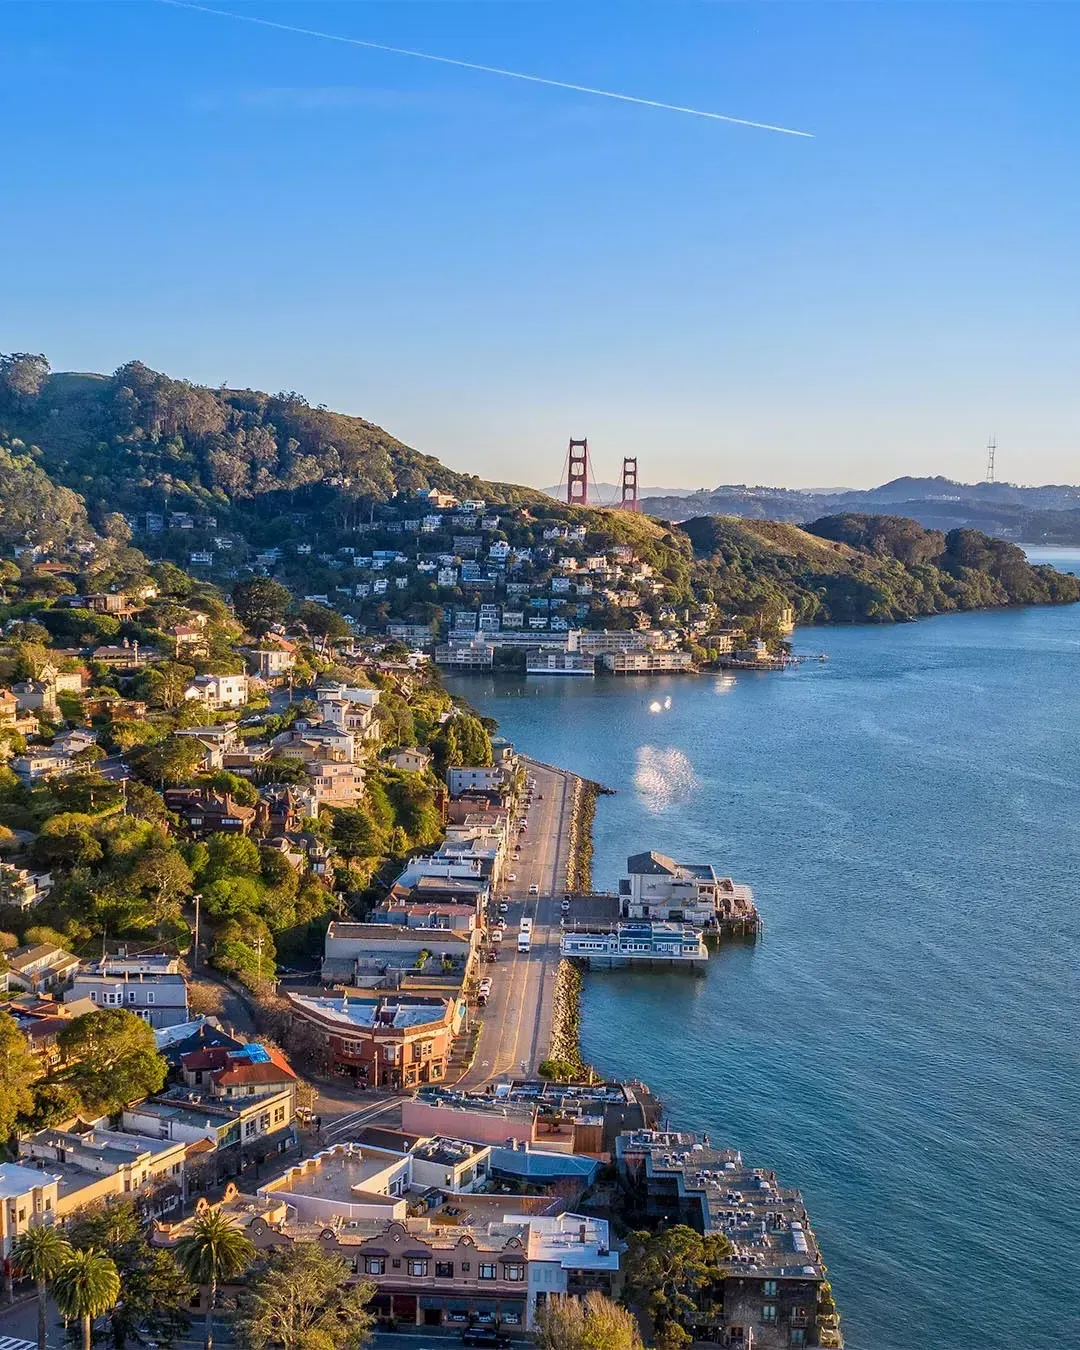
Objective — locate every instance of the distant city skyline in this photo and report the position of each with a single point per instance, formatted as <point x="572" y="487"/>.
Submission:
<point x="487" y="267"/>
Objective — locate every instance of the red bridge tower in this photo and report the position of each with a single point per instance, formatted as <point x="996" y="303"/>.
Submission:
<point x="629" y="484"/>
<point x="577" y="474"/>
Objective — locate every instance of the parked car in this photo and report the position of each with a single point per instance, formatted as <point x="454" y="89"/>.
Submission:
<point x="496" y="935"/>
<point x="511" y="876"/>
<point x="485" y="1336"/>
<point x="492" y="955"/>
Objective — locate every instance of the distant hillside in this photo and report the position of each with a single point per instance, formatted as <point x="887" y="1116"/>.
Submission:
<point x="856" y="569"/>
<point x="240" y="482"/>
<point x="1049" y="514"/>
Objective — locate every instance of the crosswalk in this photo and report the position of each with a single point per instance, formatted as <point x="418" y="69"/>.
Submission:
<point x="14" y="1343"/>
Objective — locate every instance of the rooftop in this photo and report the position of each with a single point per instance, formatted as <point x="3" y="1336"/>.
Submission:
<point x="16" y="1180"/>
<point x="337" y="1173"/>
<point x="374" y="1013"/>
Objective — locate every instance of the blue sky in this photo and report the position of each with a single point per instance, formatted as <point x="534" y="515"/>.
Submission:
<point x="488" y="267"/>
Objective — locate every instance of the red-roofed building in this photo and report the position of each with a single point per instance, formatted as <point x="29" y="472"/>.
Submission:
<point x="226" y="1073"/>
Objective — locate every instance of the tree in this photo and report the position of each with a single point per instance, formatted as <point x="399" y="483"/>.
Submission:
<point x="592" y="1323"/>
<point x="41" y="1254"/>
<point x="322" y="623"/>
<point x="260" y="602"/>
<point x="23" y="375"/>
<point x="669" y="1268"/>
<point x="173" y="762"/>
<point x="212" y="1252"/>
<point x="18" y="1071"/>
<point x="114" y="1058"/>
<point x="66" y="841"/>
<point x="156" y="1292"/>
<point x="86" y="1286"/>
<point x="164" y="878"/>
<point x="300" y="1300"/>
<point x="356" y="834"/>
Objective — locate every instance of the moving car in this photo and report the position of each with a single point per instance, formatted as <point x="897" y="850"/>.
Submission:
<point x="565" y="906"/>
<point x="511" y="876"/>
<point x="526" y="925"/>
<point x="534" y="889"/>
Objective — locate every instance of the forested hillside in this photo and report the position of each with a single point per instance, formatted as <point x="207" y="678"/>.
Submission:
<point x="858" y="569"/>
<point x="85" y="458"/>
<point x="141" y="440"/>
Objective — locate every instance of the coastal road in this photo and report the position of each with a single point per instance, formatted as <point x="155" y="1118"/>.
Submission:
<point x="517" y="1020"/>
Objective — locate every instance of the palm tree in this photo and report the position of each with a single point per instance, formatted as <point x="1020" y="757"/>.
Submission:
<point x="213" y="1251"/>
<point x="86" y="1285"/>
<point x="41" y="1253"/>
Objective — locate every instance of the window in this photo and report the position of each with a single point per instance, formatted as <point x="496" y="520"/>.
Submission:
<point x="131" y="995"/>
<point x="418" y="1267"/>
<point x="487" y="1270"/>
<point x="798" y="1336"/>
<point x="93" y="995"/>
<point x="799" y="1317"/>
<point x="444" y="1270"/>
<point x="374" y="1265"/>
<point x="768" y="1314"/>
<point x="513" y="1270"/>
<point x="279" y="1115"/>
<point x="250" y="1127"/>
<point x="149" y="996"/>
<point x="769" y="1289"/>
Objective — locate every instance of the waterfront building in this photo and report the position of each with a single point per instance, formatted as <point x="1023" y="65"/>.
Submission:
<point x="658" y="887"/>
<point x="557" y="662"/>
<point x="637" y="944"/>
<point x="770" y="1292"/>
<point x="475" y="655"/>
<point x="651" y="662"/>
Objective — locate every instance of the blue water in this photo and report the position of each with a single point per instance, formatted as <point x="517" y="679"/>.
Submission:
<point x="903" y="1043"/>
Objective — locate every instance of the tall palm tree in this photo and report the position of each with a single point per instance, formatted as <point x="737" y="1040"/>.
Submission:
<point x="86" y="1285"/>
<point x="214" y="1251"/>
<point x="41" y="1253"/>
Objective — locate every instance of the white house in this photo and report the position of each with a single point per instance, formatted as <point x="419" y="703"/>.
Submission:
<point x="218" y="691"/>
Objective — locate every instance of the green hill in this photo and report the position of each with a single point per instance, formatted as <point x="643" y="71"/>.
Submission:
<point x="865" y="569"/>
<point x="270" y="469"/>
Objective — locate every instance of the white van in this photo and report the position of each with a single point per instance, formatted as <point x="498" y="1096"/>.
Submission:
<point x="524" y="941"/>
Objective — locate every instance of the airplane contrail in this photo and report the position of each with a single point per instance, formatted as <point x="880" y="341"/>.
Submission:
<point x="487" y="70"/>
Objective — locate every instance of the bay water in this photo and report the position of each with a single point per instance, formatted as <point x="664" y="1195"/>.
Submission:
<point x="903" y="1043"/>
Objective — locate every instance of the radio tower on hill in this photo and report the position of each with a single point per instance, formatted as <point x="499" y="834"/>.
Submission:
<point x="991" y="448"/>
<point x="577" y="474"/>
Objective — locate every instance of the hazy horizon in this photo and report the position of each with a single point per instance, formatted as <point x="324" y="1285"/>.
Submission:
<point x="487" y="267"/>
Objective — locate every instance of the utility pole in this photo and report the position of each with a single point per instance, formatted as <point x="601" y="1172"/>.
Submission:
<point x="991" y="448"/>
<point x="195" y="948"/>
